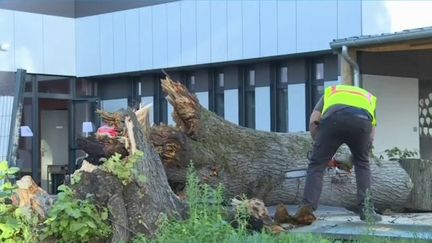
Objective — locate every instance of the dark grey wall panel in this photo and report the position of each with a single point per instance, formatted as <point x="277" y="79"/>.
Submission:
<point x="7" y="83"/>
<point x="402" y="64"/>
<point x="330" y="67"/>
<point x="296" y="71"/>
<point x="76" y="8"/>
<point x="65" y="8"/>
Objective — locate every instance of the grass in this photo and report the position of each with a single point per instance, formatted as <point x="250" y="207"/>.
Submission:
<point x="208" y="222"/>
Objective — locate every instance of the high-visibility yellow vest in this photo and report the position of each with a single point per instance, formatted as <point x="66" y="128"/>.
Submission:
<point x="350" y="96"/>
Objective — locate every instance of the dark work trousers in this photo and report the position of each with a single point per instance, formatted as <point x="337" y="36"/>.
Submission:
<point x="334" y="130"/>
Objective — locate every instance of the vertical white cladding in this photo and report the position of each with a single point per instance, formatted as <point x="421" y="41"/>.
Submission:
<point x="7" y="58"/>
<point x="251" y="28"/>
<point x="29" y="42"/>
<point x="262" y="108"/>
<point x="174" y="34"/>
<point x="146" y="38"/>
<point x="219" y="40"/>
<point x="286" y="24"/>
<point x="119" y="28"/>
<point x="316" y="25"/>
<point x="348" y="18"/>
<point x="235" y="30"/>
<point x="160" y="36"/>
<point x="87" y="46"/>
<point x="58" y="45"/>
<point x="231" y="105"/>
<point x="268" y="28"/>
<point x="132" y="40"/>
<point x="296" y="107"/>
<point x="204" y="41"/>
<point x="106" y="43"/>
<point x="189" y="32"/>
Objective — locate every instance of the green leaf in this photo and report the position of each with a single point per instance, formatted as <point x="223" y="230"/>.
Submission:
<point x="8" y="186"/>
<point x="4" y="166"/>
<point x="12" y="170"/>
<point x="104" y="215"/>
<point x="91" y="224"/>
<point x="6" y="231"/>
<point x="75" y="226"/>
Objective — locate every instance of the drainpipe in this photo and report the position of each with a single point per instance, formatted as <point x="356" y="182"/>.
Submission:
<point x="353" y="64"/>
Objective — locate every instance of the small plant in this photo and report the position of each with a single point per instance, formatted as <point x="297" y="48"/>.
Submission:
<point x="124" y="169"/>
<point x="396" y="153"/>
<point x="16" y="224"/>
<point x="74" y="220"/>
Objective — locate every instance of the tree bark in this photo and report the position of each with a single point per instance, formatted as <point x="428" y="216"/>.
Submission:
<point x="139" y="206"/>
<point x="420" y="172"/>
<point x="254" y="163"/>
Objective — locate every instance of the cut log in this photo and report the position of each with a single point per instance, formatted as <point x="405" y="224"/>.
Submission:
<point x="254" y="163"/>
<point x="30" y="195"/>
<point x="421" y="173"/>
<point x="139" y="206"/>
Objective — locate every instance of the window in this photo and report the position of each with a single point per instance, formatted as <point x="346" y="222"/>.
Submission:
<point x="250" y="99"/>
<point x="219" y="94"/>
<point x="319" y="71"/>
<point x="282" y="100"/>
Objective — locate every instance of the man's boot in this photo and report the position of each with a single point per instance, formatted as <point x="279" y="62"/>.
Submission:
<point x="305" y="215"/>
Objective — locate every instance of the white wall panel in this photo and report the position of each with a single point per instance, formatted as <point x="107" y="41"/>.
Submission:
<point x="189" y="32"/>
<point x="235" y="30"/>
<point x="146" y="100"/>
<point x="287" y="36"/>
<point x="146" y="38"/>
<point x="203" y="31"/>
<point x="7" y="58"/>
<point x="106" y="43"/>
<point x="174" y="34"/>
<point x="268" y="27"/>
<point x="348" y="18"/>
<point x="160" y="36"/>
<point x="262" y="108"/>
<point x="389" y="109"/>
<point x="251" y="29"/>
<point x="203" y="98"/>
<point x="316" y="25"/>
<point x="231" y="105"/>
<point x="119" y="27"/>
<point x="87" y="46"/>
<point x="132" y="40"/>
<point x="29" y="42"/>
<point x="296" y="108"/>
<point x="219" y="42"/>
<point x="58" y="45"/>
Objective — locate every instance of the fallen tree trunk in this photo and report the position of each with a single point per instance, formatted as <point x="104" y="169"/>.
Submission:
<point x="254" y="163"/>
<point x="421" y="173"/>
<point x="140" y="205"/>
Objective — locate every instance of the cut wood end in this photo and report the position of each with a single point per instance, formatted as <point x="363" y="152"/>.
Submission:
<point x="186" y="106"/>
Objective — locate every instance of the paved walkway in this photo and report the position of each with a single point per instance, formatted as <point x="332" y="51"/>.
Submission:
<point x="341" y="223"/>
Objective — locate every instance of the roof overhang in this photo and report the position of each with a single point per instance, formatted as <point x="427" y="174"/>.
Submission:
<point x="414" y="39"/>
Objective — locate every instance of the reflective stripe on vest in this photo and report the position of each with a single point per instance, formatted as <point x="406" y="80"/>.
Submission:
<point x="350" y="96"/>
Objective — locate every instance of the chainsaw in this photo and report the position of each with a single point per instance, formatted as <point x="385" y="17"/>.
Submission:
<point x="337" y="166"/>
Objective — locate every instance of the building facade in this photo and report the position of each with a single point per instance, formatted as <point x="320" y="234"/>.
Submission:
<point x="262" y="64"/>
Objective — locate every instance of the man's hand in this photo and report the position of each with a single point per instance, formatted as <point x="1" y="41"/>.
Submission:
<point x="314" y="123"/>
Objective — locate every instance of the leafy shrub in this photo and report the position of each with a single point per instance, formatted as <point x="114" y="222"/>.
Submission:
<point x="16" y="224"/>
<point x="75" y="220"/>
<point x="124" y="169"/>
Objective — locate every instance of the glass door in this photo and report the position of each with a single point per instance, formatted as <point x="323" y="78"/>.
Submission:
<point x="84" y="122"/>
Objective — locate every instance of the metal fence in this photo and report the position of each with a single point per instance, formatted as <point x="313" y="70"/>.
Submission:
<point x="6" y="104"/>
